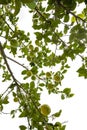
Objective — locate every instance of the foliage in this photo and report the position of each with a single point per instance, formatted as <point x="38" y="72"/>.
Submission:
<point x="69" y="42"/>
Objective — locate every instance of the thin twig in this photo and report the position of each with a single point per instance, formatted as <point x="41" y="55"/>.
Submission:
<point x="6" y="23"/>
<point x="17" y="62"/>
<point x="6" y="90"/>
<point x="4" y="113"/>
<point x="23" y="66"/>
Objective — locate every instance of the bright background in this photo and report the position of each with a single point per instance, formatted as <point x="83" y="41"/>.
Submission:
<point x="74" y="109"/>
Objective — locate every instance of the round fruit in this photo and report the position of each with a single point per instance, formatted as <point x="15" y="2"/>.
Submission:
<point x="48" y="74"/>
<point x="45" y="109"/>
<point x="29" y="73"/>
<point x="50" y="86"/>
<point x="56" y="78"/>
<point x="16" y="99"/>
<point x="31" y="47"/>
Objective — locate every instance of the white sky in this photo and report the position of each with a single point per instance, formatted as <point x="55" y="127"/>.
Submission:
<point x="74" y="109"/>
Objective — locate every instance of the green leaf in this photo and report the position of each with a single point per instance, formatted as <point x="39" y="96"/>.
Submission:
<point x="57" y="114"/>
<point x="57" y="124"/>
<point x="22" y="127"/>
<point x="17" y="7"/>
<point x="32" y="5"/>
<point x="82" y="71"/>
<point x="62" y="96"/>
<point x="24" y="72"/>
<point x="41" y="84"/>
<point x="40" y="127"/>
<point x="5" y="100"/>
<point x="67" y="91"/>
<point x="13" y="112"/>
<point x="25" y="86"/>
<point x="39" y="35"/>
<point x="4" y="2"/>
<point x="66" y="18"/>
<point x="71" y="95"/>
<point x="34" y="70"/>
<point x="32" y="84"/>
<point x="73" y="19"/>
<point x="23" y="114"/>
<point x="81" y="15"/>
<point x="63" y="127"/>
<point x="66" y="28"/>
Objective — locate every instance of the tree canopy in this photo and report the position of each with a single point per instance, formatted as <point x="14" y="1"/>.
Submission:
<point x="60" y="35"/>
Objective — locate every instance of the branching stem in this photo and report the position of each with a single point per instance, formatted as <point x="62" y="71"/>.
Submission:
<point x="6" y="62"/>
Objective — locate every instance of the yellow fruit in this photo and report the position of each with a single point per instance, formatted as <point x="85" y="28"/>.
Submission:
<point x="45" y="110"/>
<point x="56" y="78"/>
<point x="48" y="74"/>
<point x="31" y="47"/>
<point x="29" y="73"/>
<point x="50" y="86"/>
<point x="16" y="99"/>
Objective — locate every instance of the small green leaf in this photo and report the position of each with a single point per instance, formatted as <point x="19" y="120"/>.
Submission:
<point x="24" y="72"/>
<point x="41" y="84"/>
<point x="82" y="71"/>
<point x="62" y="96"/>
<point x="63" y="127"/>
<point x="66" y="18"/>
<point x="32" y="84"/>
<point x="58" y="124"/>
<point x="34" y="70"/>
<point x="67" y="91"/>
<point x="66" y="28"/>
<point x="5" y="100"/>
<point x="57" y="114"/>
<point x="81" y="15"/>
<point x="22" y="127"/>
<point x="13" y="112"/>
<point x="73" y="19"/>
<point x="71" y="95"/>
<point x="23" y="114"/>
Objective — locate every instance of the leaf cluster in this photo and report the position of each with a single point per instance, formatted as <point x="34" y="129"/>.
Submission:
<point x="60" y="35"/>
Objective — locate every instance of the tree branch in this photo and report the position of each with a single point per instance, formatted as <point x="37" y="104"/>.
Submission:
<point x="70" y="12"/>
<point x="17" y="62"/>
<point x="6" y="62"/>
<point x="40" y="14"/>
